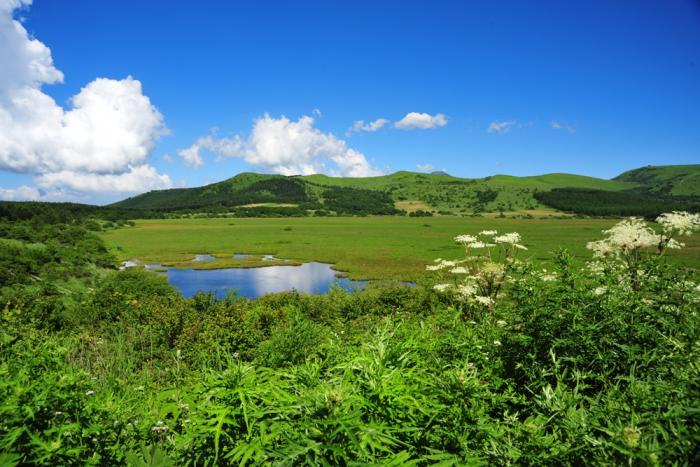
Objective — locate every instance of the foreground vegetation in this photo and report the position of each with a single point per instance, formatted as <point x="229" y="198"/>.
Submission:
<point x="376" y="248"/>
<point x="572" y="365"/>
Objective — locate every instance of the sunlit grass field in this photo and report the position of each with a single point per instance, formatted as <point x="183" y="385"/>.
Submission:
<point x="363" y="247"/>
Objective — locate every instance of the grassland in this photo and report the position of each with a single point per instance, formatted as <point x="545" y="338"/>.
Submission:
<point x="363" y="247"/>
<point x="678" y="180"/>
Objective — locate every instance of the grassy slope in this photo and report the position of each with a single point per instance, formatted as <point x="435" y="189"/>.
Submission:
<point x="189" y="196"/>
<point x="442" y="192"/>
<point x="365" y="247"/>
<point x="455" y="194"/>
<point x="679" y="180"/>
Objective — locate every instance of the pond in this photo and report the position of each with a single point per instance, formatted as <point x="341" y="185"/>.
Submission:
<point x="311" y="278"/>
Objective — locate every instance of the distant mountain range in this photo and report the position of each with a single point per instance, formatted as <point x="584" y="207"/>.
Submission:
<point x="251" y="193"/>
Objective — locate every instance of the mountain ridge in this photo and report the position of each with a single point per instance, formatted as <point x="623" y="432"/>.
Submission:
<point x="436" y="192"/>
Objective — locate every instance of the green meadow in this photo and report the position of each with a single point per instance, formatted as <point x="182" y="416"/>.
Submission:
<point x="495" y="362"/>
<point x="362" y="247"/>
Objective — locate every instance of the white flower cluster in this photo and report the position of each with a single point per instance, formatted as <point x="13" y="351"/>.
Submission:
<point x="159" y="427"/>
<point x="634" y="234"/>
<point x="512" y="238"/>
<point x="440" y="264"/>
<point x="548" y="276"/>
<point x="679" y="222"/>
<point x="481" y="280"/>
<point x="473" y="242"/>
<point x="465" y="239"/>
<point x="630" y="234"/>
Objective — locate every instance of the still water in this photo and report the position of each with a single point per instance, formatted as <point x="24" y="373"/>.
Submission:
<point x="312" y="278"/>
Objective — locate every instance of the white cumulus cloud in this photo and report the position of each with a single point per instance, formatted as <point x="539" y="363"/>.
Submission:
<point x="562" y="126"/>
<point x="501" y="127"/>
<point x="373" y="126"/>
<point x="415" y="120"/>
<point x="224" y="147"/>
<point x="101" y="143"/>
<point x="287" y="147"/>
<point x="22" y="193"/>
<point x="142" y="176"/>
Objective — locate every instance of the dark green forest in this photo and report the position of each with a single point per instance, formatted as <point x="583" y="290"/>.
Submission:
<point x="615" y="203"/>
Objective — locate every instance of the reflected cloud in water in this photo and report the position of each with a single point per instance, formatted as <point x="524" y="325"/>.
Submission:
<point x="312" y="278"/>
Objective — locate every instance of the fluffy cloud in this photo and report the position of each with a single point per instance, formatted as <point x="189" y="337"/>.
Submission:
<point x="224" y="147"/>
<point x="501" y="127"/>
<point x="23" y="192"/>
<point x="415" y="120"/>
<point x="562" y="126"/>
<point x="360" y="125"/>
<point x="287" y="147"/>
<point x="101" y="143"/>
<point x="142" y="176"/>
<point x="425" y="167"/>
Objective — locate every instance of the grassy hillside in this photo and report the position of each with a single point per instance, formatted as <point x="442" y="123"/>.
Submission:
<point x="196" y="197"/>
<point x="463" y="195"/>
<point x="299" y="195"/>
<point x="674" y="180"/>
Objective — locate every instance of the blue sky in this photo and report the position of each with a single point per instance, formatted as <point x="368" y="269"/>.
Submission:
<point x="619" y="80"/>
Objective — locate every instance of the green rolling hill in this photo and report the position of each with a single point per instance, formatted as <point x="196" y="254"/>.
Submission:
<point x="250" y="192"/>
<point x="675" y="180"/>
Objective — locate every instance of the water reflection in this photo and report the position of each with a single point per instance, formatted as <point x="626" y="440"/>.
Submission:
<point x="312" y="278"/>
<point x="203" y="258"/>
<point x="130" y="263"/>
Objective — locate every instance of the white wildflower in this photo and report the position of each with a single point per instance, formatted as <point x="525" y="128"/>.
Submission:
<point x="512" y="238"/>
<point x="601" y="248"/>
<point x="478" y="244"/>
<point x="459" y="270"/>
<point x="600" y="290"/>
<point x="443" y="264"/>
<point x="466" y="290"/>
<point x="486" y="301"/>
<point x="673" y="244"/>
<point x="159" y="427"/>
<point x="680" y="222"/>
<point x="441" y="287"/>
<point x="497" y="343"/>
<point x="488" y="233"/>
<point x="501" y="323"/>
<point x="631" y="234"/>
<point x="90" y="393"/>
<point x="548" y="277"/>
<point x="465" y="238"/>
